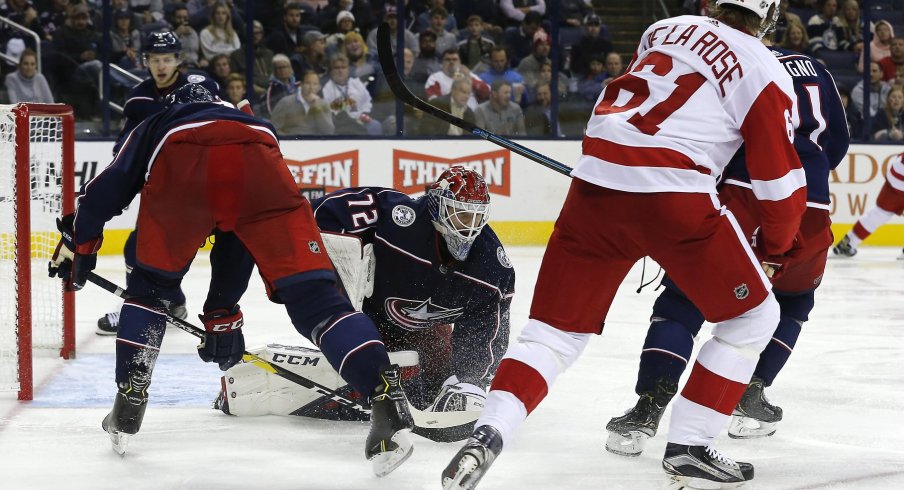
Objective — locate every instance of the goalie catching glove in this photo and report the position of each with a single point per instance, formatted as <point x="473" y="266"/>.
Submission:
<point x="71" y="262"/>
<point x="457" y="396"/>
<point x="223" y="342"/>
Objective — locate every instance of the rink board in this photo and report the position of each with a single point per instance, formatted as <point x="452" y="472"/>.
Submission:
<point x="526" y="197"/>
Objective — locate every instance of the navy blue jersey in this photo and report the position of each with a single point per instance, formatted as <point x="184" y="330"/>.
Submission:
<point x="146" y="99"/>
<point x="106" y="195"/>
<point x="416" y="287"/>
<point x="821" y="136"/>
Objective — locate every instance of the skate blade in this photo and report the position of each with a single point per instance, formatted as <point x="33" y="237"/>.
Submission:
<point x="749" y="428"/>
<point x="386" y="462"/>
<point x="466" y="466"/>
<point x="678" y="482"/>
<point x="120" y="441"/>
<point x="630" y="444"/>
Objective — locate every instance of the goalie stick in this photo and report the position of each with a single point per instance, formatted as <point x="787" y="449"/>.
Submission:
<point x="387" y="63"/>
<point x="436" y="426"/>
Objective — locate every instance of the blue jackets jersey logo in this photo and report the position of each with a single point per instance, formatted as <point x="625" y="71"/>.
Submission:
<point x="412" y="314"/>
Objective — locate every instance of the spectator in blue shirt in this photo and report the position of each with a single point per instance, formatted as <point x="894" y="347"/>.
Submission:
<point x="499" y="70"/>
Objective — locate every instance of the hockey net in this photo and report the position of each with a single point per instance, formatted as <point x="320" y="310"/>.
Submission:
<point x="36" y="187"/>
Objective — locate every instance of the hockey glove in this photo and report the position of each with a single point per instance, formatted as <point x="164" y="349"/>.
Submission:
<point x="775" y="265"/>
<point x="223" y="342"/>
<point x="456" y="396"/>
<point x="72" y="262"/>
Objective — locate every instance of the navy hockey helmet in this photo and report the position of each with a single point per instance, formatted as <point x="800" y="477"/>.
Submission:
<point x="459" y="205"/>
<point x="162" y="42"/>
<point x="190" y="93"/>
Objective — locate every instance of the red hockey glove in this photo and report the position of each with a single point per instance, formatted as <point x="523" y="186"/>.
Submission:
<point x="224" y="342"/>
<point x="775" y="265"/>
<point x="72" y="262"/>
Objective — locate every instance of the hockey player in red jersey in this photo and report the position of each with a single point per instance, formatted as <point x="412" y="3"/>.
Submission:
<point x="889" y="203"/>
<point x="821" y="140"/>
<point x="202" y="166"/>
<point x="659" y="137"/>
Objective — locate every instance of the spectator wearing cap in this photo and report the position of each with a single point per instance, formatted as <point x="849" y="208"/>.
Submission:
<point x="188" y="36"/>
<point x="520" y="40"/>
<point x="444" y="39"/>
<point x="125" y="40"/>
<point x="313" y="52"/>
<point x="263" y="60"/>
<point x="426" y="61"/>
<point x="500" y="70"/>
<point x="529" y="68"/>
<point x="590" y="44"/>
<point x="392" y="19"/>
<point x="516" y="10"/>
<point x="424" y="22"/>
<point x="345" y="23"/>
<point x="591" y="84"/>
<point x="880" y="46"/>
<point x="499" y="114"/>
<point x="475" y="48"/>
<point x="219" y="37"/>
<point x="306" y="113"/>
<point x="573" y="12"/>
<point x="26" y="84"/>
<point x="362" y="12"/>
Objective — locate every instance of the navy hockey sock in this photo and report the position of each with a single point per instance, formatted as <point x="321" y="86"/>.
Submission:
<point x="777" y="352"/>
<point x="665" y="354"/>
<point x="141" y="330"/>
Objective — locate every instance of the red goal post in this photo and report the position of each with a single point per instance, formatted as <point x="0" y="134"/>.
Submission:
<point x="37" y="159"/>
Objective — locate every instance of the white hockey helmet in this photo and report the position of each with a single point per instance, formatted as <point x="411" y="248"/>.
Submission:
<point x="767" y="10"/>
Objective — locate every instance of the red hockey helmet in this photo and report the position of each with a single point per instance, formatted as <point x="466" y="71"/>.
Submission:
<point x="459" y="205"/>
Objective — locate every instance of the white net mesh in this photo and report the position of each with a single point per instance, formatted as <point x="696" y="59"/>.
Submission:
<point x="45" y="170"/>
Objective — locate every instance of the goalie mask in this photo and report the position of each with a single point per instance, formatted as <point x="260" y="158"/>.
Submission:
<point x="767" y="10"/>
<point x="459" y="206"/>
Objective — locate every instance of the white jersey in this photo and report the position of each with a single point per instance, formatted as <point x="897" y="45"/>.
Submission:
<point x="695" y="91"/>
<point x="895" y="175"/>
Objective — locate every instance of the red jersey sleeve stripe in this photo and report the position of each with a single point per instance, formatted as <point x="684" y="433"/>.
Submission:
<point x="636" y="156"/>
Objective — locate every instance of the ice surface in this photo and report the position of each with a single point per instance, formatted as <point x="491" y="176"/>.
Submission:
<point x="842" y="394"/>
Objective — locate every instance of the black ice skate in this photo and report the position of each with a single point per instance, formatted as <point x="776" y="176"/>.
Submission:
<point x="128" y="411"/>
<point x="473" y="460"/>
<point x="109" y="323"/>
<point x="628" y="433"/>
<point x="388" y="443"/>
<point x="844" y="248"/>
<point x="754" y="416"/>
<point x="703" y="468"/>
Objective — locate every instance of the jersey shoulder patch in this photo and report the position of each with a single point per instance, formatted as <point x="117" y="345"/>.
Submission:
<point x="503" y="258"/>
<point x="403" y="215"/>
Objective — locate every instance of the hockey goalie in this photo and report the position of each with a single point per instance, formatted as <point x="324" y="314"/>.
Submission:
<point x="419" y="304"/>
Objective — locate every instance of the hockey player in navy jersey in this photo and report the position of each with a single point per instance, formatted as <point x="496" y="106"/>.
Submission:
<point x="821" y="140"/>
<point x="441" y="286"/>
<point x="202" y="166"/>
<point x="162" y="58"/>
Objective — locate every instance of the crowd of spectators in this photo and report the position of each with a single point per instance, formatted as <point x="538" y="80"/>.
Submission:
<point x="315" y="70"/>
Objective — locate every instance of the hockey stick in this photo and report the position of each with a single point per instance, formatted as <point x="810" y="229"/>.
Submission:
<point x="387" y="63"/>
<point x="436" y="426"/>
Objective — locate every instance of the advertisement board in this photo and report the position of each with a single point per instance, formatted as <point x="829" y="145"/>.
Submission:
<point x="525" y="196"/>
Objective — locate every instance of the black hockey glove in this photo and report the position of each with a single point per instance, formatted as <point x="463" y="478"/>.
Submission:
<point x="71" y="262"/>
<point x="224" y="342"/>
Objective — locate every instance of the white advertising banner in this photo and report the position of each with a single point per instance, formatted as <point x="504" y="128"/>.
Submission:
<point x="522" y="191"/>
